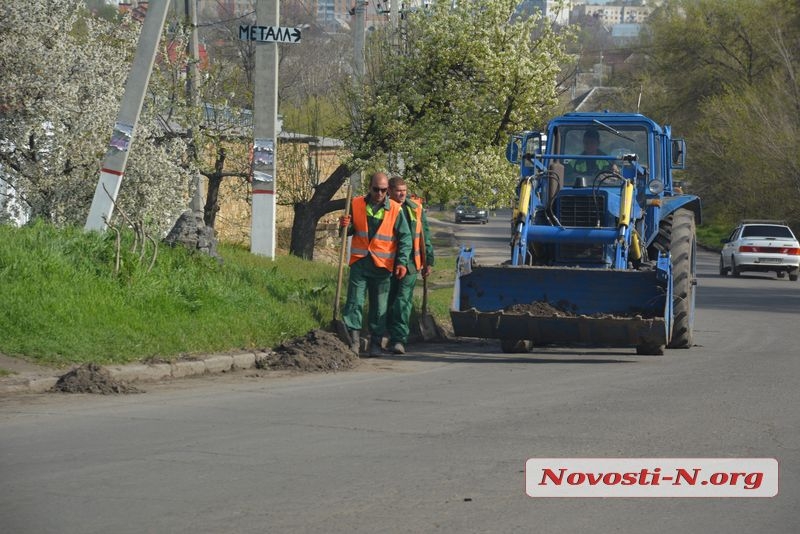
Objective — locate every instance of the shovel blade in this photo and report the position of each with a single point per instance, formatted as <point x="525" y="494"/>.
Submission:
<point x="340" y="329"/>
<point x="428" y="328"/>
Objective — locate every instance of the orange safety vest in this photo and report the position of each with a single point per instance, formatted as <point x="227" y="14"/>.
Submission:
<point x="383" y="244"/>
<point x="417" y="235"/>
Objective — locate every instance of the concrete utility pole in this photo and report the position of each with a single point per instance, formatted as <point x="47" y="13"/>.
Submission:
<point x="359" y="40"/>
<point x="192" y="83"/>
<point x="394" y="19"/>
<point x="359" y="44"/>
<point x="121" y="139"/>
<point x="265" y="146"/>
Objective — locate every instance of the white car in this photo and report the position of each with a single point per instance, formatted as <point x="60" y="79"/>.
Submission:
<point x="763" y="246"/>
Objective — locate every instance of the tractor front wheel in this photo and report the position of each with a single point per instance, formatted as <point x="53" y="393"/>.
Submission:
<point x="677" y="235"/>
<point x="650" y="350"/>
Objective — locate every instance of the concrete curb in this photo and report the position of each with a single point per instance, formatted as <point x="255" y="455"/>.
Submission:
<point x="139" y="372"/>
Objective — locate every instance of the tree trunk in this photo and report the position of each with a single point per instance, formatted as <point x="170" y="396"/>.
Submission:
<point x="212" y="198"/>
<point x="307" y="214"/>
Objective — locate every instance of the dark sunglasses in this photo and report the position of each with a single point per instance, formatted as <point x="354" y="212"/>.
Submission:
<point x="380" y="189"/>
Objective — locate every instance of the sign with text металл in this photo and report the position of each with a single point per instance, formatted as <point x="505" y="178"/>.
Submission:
<point x="269" y="34"/>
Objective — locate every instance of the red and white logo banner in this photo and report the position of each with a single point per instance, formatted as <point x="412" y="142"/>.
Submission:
<point x="651" y="477"/>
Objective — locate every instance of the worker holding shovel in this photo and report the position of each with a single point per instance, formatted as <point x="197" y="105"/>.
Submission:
<point x="419" y="262"/>
<point x="380" y="248"/>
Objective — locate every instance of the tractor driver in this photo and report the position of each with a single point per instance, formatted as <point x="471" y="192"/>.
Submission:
<point x="591" y="147"/>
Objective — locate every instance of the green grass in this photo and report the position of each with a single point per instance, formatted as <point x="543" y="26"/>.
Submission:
<point x="440" y="289"/>
<point x="709" y="235"/>
<point x="5" y="372"/>
<point x="61" y="302"/>
<point x="446" y="215"/>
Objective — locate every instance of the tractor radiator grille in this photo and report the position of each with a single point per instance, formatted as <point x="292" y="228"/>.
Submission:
<point x="582" y="210"/>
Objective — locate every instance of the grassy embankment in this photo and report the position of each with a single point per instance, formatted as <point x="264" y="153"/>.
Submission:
<point x="710" y="235"/>
<point x="61" y="302"/>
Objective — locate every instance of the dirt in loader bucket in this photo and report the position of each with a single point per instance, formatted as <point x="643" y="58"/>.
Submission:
<point x="561" y="309"/>
<point x="318" y="350"/>
<point x="540" y="309"/>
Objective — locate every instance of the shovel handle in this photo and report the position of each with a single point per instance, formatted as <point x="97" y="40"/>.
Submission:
<point x="424" y="278"/>
<point x="424" y="296"/>
<point x="342" y="253"/>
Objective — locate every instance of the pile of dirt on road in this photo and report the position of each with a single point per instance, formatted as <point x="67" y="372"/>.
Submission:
<point x="92" y="378"/>
<point x="541" y="309"/>
<point x="316" y="351"/>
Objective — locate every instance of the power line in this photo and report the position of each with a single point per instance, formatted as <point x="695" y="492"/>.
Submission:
<point x="226" y="20"/>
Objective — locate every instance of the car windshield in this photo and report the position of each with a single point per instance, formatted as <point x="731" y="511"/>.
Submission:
<point x="766" y="230"/>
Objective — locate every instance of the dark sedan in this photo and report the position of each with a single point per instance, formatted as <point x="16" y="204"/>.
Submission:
<point x="471" y="213"/>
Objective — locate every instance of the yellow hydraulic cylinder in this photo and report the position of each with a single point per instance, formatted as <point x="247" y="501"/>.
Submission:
<point x="636" y="248"/>
<point x="626" y="205"/>
<point x="524" y="199"/>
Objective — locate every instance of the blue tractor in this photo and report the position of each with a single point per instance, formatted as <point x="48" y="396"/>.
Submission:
<point x="602" y="242"/>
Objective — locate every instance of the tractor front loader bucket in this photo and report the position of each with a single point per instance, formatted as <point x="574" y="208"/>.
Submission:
<point x="565" y="305"/>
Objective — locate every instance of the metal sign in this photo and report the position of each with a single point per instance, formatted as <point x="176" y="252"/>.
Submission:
<point x="269" y="34"/>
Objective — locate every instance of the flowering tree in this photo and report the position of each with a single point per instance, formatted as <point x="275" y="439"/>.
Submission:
<point x="441" y="98"/>
<point x="64" y="73"/>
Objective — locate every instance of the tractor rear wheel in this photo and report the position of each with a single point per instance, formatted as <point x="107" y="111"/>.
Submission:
<point x="677" y="235"/>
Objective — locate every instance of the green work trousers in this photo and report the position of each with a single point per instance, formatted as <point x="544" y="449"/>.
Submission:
<point x="367" y="279"/>
<point x="401" y="300"/>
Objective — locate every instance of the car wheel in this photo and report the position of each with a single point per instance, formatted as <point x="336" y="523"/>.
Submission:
<point x="793" y="276"/>
<point x="734" y="269"/>
<point x="722" y="270"/>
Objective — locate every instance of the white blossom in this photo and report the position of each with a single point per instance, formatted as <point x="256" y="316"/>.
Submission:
<point x="64" y="76"/>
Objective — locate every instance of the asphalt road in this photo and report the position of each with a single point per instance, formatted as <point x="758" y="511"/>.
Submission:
<point x="434" y="441"/>
<point x="490" y="241"/>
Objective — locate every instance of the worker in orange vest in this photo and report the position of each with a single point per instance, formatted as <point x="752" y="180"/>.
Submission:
<point x="420" y="261"/>
<point x="380" y="248"/>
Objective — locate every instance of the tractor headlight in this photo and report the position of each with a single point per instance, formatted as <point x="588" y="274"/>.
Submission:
<point x="655" y="187"/>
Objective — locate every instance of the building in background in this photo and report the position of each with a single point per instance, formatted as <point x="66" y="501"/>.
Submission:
<point x="556" y="11"/>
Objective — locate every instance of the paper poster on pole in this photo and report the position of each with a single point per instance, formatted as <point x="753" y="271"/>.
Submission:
<point x="121" y="137"/>
<point x="264" y="160"/>
<point x="264" y="153"/>
<point x="259" y="176"/>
